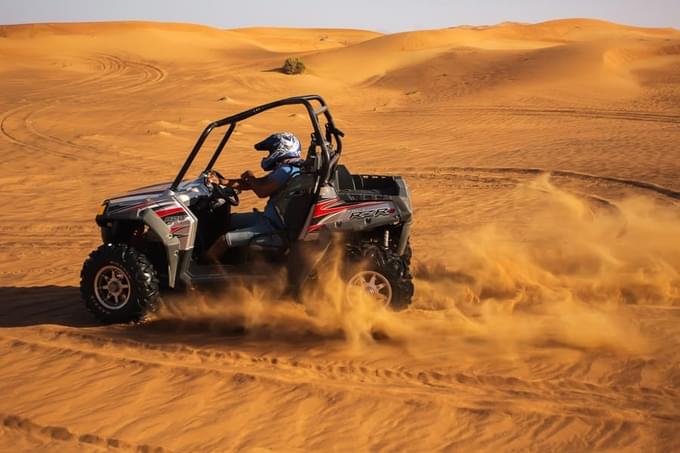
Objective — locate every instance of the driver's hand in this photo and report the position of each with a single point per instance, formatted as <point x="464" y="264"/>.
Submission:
<point x="247" y="176"/>
<point x="213" y="178"/>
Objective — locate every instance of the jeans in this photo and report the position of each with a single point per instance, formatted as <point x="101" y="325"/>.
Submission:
<point x="245" y="226"/>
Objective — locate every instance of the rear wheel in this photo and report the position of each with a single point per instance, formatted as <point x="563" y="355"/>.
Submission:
<point x="383" y="275"/>
<point x="119" y="284"/>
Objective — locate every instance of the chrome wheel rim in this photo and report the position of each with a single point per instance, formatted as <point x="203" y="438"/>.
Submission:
<point x="112" y="287"/>
<point x="374" y="284"/>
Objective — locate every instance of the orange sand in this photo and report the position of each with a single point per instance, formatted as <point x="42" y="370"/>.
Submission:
<point x="547" y="306"/>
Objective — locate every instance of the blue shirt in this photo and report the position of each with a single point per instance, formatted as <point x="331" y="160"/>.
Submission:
<point x="282" y="174"/>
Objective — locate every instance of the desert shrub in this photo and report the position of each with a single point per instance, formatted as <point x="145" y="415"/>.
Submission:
<point x="293" y="66"/>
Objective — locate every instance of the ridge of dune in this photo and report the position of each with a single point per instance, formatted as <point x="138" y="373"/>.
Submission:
<point x="599" y="24"/>
<point x="279" y="39"/>
<point x="310" y="32"/>
<point x="577" y="30"/>
<point x="271" y="39"/>
<point x="559" y="24"/>
<point x="590" y="52"/>
<point x="386" y="53"/>
<point x="100" y="26"/>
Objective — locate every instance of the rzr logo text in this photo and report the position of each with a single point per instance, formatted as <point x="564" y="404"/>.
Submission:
<point x="370" y="213"/>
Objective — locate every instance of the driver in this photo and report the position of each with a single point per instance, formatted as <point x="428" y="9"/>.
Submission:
<point x="283" y="161"/>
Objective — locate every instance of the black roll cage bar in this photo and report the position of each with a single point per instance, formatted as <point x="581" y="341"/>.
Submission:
<point x="329" y="156"/>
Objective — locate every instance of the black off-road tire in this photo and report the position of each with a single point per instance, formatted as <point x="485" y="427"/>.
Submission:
<point x="388" y="263"/>
<point x="143" y="282"/>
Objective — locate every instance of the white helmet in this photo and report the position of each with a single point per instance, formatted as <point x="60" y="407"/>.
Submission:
<point x="281" y="146"/>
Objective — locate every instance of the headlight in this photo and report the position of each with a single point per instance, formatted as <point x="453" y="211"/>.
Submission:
<point x="102" y="209"/>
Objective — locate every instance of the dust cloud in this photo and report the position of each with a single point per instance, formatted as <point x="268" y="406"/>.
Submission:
<point x="567" y="281"/>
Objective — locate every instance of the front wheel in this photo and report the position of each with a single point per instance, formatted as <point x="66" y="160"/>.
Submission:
<point x="118" y="284"/>
<point x="382" y="275"/>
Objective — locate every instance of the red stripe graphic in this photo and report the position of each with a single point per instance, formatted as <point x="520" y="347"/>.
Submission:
<point x="329" y="207"/>
<point x="169" y="211"/>
<point x="336" y="205"/>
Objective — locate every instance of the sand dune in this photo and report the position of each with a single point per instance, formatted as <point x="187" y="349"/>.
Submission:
<point x="543" y="160"/>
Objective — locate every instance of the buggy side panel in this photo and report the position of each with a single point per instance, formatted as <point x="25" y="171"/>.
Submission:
<point x="170" y="242"/>
<point x="161" y="218"/>
<point x="390" y="195"/>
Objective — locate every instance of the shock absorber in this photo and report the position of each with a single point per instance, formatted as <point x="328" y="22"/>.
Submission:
<point x="386" y="239"/>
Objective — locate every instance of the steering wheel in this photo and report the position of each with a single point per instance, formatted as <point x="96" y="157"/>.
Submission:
<point x="225" y="192"/>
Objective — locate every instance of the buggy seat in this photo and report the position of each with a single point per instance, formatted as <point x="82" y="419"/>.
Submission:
<point x="292" y="204"/>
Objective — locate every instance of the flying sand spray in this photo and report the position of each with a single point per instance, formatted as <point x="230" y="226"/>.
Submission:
<point x="570" y="286"/>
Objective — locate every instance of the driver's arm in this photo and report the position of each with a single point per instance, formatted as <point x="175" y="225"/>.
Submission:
<point x="238" y="184"/>
<point x="263" y="187"/>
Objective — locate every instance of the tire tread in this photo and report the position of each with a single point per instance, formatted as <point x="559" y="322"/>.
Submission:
<point x="146" y="290"/>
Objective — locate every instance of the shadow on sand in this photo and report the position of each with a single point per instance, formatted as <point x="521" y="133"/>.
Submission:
<point x="36" y="305"/>
<point x="62" y="306"/>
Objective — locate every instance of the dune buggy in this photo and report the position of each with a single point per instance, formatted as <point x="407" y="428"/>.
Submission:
<point x="154" y="237"/>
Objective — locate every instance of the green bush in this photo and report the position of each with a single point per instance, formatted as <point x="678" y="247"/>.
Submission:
<point x="293" y="66"/>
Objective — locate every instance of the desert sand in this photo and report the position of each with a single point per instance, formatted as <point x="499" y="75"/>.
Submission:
<point x="543" y="161"/>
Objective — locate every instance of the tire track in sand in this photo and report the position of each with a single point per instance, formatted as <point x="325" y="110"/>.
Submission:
<point x="111" y="69"/>
<point x="70" y="439"/>
<point x="580" y="413"/>
<point x="118" y="69"/>
<point x="605" y="415"/>
<point x="624" y="115"/>
<point x="573" y="112"/>
<point x="460" y="388"/>
<point x="444" y="172"/>
<point x="18" y="126"/>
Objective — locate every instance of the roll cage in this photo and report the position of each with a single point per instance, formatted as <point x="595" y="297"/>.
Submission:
<point x="322" y="139"/>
